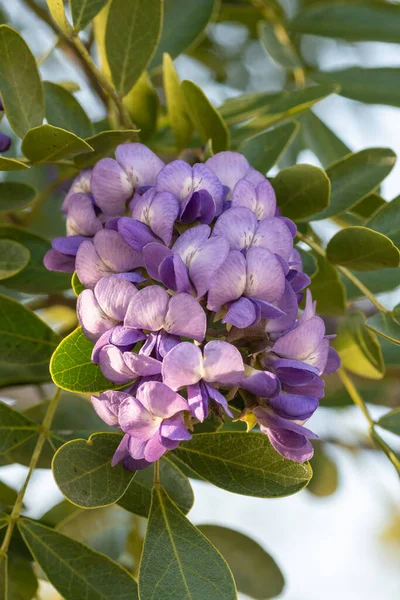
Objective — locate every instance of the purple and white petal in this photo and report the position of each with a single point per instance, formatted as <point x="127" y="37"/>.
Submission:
<point x="288" y="304"/>
<point x="206" y="261"/>
<point x="115" y="252"/>
<point x="107" y="406"/>
<point x="147" y="309"/>
<point x="122" y="336"/>
<point x="198" y="400"/>
<point x="155" y="448"/>
<point x="80" y="185"/>
<point x="82" y="218"/>
<point x="273" y="234"/>
<point x="113" y="295"/>
<point x="176" y="178"/>
<point x="229" y="167"/>
<point x="136" y="419"/>
<point x="219" y="398"/>
<point x="222" y="364"/>
<point x="333" y="363"/>
<point x="242" y="313"/>
<point x="91" y="317"/>
<point x="89" y="266"/>
<point x="153" y="255"/>
<point x="300" y="342"/>
<point x="229" y="282"/>
<point x="139" y="162"/>
<point x="160" y="400"/>
<point x="238" y="226"/>
<point x="163" y="213"/>
<point x="56" y="261"/>
<point x="183" y="365"/>
<point x="185" y="317"/>
<point x="141" y="364"/>
<point x="174" y="428"/>
<point x="135" y="233"/>
<point x="205" y="179"/>
<point x="265" y="275"/>
<point x="190" y="241"/>
<point x="111" y="187"/>
<point x="113" y="366"/>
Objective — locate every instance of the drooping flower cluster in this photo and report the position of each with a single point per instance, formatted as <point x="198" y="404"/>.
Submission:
<point x="192" y="297"/>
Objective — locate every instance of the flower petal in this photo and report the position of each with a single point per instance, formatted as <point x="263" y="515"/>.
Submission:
<point x="80" y="185"/>
<point x="135" y="233"/>
<point x="155" y="448"/>
<point x="292" y="406"/>
<point x="198" y="400"/>
<point x="273" y="234"/>
<point x="265" y="275"/>
<point x="288" y="304"/>
<point x="107" y="406"/>
<point x="183" y="365"/>
<point x="68" y="245"/>
<point x="126" y="336"/>
<point x="153" y="255"/>
<point x="111" y="187"/>
<point x="136" y="419"/>
<point x="160" y="400"/>
<point x="238" y="226"/>
<point x="121" y="452"/>
<point x="185" y="317"/>
<point x="261" y="383"/>
<point x="223" y="363"/>
<point x="301" y="341"/>
<point x="163" y="213"/>
<point x="113" y="366"/>
<point x="92" y="318"/>
<point x="206" y="261"/>
<point x="242" y="313"/>
<point x="147" y="309"/>
<point x="115" y="252"/>
<point x="113" y="295"/>
<point x="289" y="444"/>
<point x="56" y="261"/>
<point x="261" y="199"/>
<point x="229" y="167"/>
<point x="176" y="178"/>
<point x="141" y="364"/>
<point x="103" y="340"/>
<point x="174" y="274"/>
<point x="218" y="398"/>
<point x="190" y="241"/>
<point x="139" y="162"/>
<point x="205" y="179"/>
<point x="229" y="281"/>
<point x="334" y="363"/>
<point x="174" y="428"/>
<point x="82" y="218"/>
<point x="89" y="266"/>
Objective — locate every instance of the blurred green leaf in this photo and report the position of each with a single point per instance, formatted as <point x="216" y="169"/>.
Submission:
<point x="327" y="289"/>
<point x="387" y="220"/>
<point x="137" y="498"/>
<point x="264" y="150"/>
<point x="74" y="570"/>
<point x="363" y="249"/>
<point x="15" y="195"/>
<point x="23" y="374"/>
<point x="83" y="472"/>
<point x="386" y="325"/>
<point x="359" y="348"/>
<point x="354" y="177"/>
<point x="391" y="421"/>
<point x="83" y="11"/>
<point x="256" y="573"/>
<point x="243" y="463"/>
<point x="239" y="108"/>
<point x="57" y="11"/>
<point x="22" y="581"/>
<point x="367" y="207"/>
<point x="35" y="278"/>
<point x="176" y="105"/>
<point x="361" y="22"/>
<point x="103" y="144"/>
<point x="3" y="578"/>
<point x="132" y="34"/>
<point x="372" y="86"/>
<point x="15" y="428"/>
<point x="72" y="369"/>
<point x="47" y="143"/>
<point x="63" y="110"/>
<point x="325" y="477"/>
<point x="8" y="497"/>
<point x="20" y="85"/>
<point x="376" y="281"/>
<point x="183" y="24"/>
<point x="280" y="50"/>
<point x="12" y="164"/>
<point x="301" y="191"/>
<point x="143" y="105"/>
<point x="319" y="138"/>
<point x="206" y="119"/>
<point x="13" y="258"/>
<point x="187" y="565"/>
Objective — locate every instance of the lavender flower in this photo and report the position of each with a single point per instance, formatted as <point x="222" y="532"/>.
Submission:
<point x="5" y="142"/>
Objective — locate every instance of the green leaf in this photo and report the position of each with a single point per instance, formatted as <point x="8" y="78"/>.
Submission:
<point x="391" y="421"/>
<point x="15" y="195"/>
<point x="372" y="86"/>
<point x="386" y="325"/>
<point x="47" y="143"/>
<point x="239" y="108"/>
<point x="264" y="150"/>
<point x="132" y="34"/>
<point x="15" y="428"/>
<point x="301" y="191"/>
<point x="325" y="477"/>
<point x="103" y="144"/>
<point x="183" y="24"/>
<point x="367" y="207"/>
<point x="256" y="573"/>
<point x="359" y="348"/>
<point x="25" y="339"/>
<point x="57" y="11"/>
<point x="187" y="565"/>
<point x="282" y="52"/>
<point x="8" y="497"/>
<point x="243" y="463"/>
<point x="35" y="278"/>
<point x="63" y="110"/>
<point x="83" y="11"/>
<point x="327" y="289"/>
<point x="76" y="284"/>
<point x="83" y="472"/>
<point x="142" y="104"/>
<point x="72" y="369"/>
<point x="387" y="220"/>
<point x="137" y="498"/>
<point x="358" y="22"/>
<point x="76" y="572"/>
<point x="354" y="177"/>
<point x="176" y="105"/>
<point x="20" y="86"/>
<point x="319" y="138"/>
<point x="362" y="249"/>
<point x="22" y="581"/>
<point x="376" y="281"/>
<point x="205" y="118"/>
<point x="21" y="374"/>
<point x="13" y="258"/>
<point x="12" y="164"/>
<point x="3" y="578"/>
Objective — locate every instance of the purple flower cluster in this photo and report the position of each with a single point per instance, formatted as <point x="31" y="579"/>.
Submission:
<point x="192" y="297"/>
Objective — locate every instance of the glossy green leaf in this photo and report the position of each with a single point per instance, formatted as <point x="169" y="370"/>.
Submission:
<point x="319" y="138"/>
<point x="176" y="105"/>
<point x="76" y="284"/>
<point x="137" y="498"/>
<point x="391" y="421"/>
<point x="372" y="86"/>
<point x="325" y="477"/>
<point x="282" y="52"/>
<point x="301" y="191"/>
<point x="142" y="104"/>
<point x="14" y="427"/>
<point x="243" y="463"/>
<point x="187" y="566"/>
<point x="24" y="338"/>
<point x="35" y="278"/>
<point x="183" y="23"/>
<point x="13" y="258"/>
<point x="327" y="289"/>
<point x="362" y="249"/>
<point x="12" y="164"/>
<point x="354" y="22"/>
<point x="20" y="86"/>
<point x="57" y="11"/>
<point x="387" y="220"/>
<point x="72" y="369"/>
<point x="359" y="348"/>
<point x="354" y="177"/>
<point x="83" y="11"/>
<point x="386" y="325"/>
<point x="132" y="34"/>
<point x="205" y="118"/>
<point x="63" y="110"/>
<point x="83" y="472"/>
<point x="15" y="195"/>
<point x="264" y="150"/>
<point x="76" y="572"/>
<point x="103" y="144"/>
<point x="256" y="573"/>
<point x="47" y="143"/>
